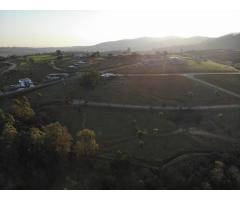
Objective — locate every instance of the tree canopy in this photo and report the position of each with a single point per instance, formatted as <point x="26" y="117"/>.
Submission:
<point x="85" y="144"/>
<point x="22" y="109"/>
<point x="89" y="80"/>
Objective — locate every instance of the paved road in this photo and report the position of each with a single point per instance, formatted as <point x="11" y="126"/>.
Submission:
<point x="187" y="75"/>
<point x="31" y="89"/>
<point x="36" y="87"/>
<point x="149" y="107"/>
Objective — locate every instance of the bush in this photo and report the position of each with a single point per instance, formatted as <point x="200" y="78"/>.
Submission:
<point x="9" y="131"/>
<point x="86" y="143"/>
<point x="21" y="108"/>
<point x="58" y="138"/>
<point x="89" y="80"/>
<point x="37" y="136"/>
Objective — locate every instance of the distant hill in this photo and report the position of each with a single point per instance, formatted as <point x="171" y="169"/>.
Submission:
<point x="172" y="43"/>
<point x="5" y="51"/>
<point x="230" y="41"/>
<point x="143" y="43"/>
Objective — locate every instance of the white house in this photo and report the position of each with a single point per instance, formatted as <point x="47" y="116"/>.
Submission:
<point x="25" y="83"/>
<point x="108" y="76"/>
<point x="175" y="61"/>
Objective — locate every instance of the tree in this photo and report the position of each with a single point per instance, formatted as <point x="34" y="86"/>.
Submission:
<point x="37" y="136"/>
<point x="58" y="138"/>
<point x="5" y="118"/>
<point x="165" y="53"/>
<point x="31" y="60"/>
<point x="9" y="132"/>
<point x="158" y="53"/>
<point x="9" y="119"/>
<point x="21" y="108"/>
<point x="85" y="144"/>
<point x="1" y="88"/>
<point x="96" y="54"/>
<point x="59" y="54"/>
<point x="89" y="80"/>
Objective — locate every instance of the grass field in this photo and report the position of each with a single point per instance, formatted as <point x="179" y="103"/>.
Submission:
<point x="230" y="82"/>
<point x="189" y="66"/>
<point x="36" y="72"/>
<point x="115" y="129"/>
<point x="174" y="90"/>
<point x="42" y="57"/>
<point x="209" y="66"/>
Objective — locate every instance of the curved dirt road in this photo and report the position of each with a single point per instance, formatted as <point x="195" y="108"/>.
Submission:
<point x="12" y="67"/>
<point x="192" y="77"/>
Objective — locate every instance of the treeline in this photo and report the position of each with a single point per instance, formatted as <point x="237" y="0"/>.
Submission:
<point x="33" y="150"/>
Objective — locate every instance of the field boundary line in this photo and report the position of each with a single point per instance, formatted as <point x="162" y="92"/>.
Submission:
<point x="77" y="102"/>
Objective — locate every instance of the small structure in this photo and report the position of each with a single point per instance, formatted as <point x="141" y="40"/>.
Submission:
<point x="78" y="64"/>
<point x="25" y="83"/>
<point x="22" y="84"/>
<point x="175" y="61"/>
<point x="80" y="55"/>
<point x="81" y="62"/>
<point x="108" y="76"/>
<point x="152" y="61"/>
<point x="57" y="76"/>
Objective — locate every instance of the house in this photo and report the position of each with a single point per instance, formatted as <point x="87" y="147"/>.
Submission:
<point x="78" y="64"/>
<point x="25" y="83"/>
<point x="57" y="76"/>
<point x="108" y="76"/>
<point x="81" y="62"/>
<point x="175" y="61"/>
<point x="80" y="55"/>
<point x="152" y="61"/>
<point x="22" y="84"/>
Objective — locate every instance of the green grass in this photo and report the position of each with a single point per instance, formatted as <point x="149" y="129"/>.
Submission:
<point x="115" y="130"/>
<point x="230" y="81"/>
<point x="190" y="66"/>
<point x="37" y="72"/>
<point x="209" y="66"/>
<point x="42" y="57"/>
<point x="152" y="91"/>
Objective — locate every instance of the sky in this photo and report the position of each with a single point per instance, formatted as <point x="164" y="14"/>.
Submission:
<point x="80" y="28"/>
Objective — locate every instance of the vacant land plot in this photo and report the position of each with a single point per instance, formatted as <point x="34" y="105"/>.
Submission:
<point x="209" y="66"/>
<point x="172" y="90"/>
<point x="189" y="66"/>
<point x="116" y="129"/>
<point x="230" y="81"/>
<point x="42" y="57"/>
<point x="36" y="72"/>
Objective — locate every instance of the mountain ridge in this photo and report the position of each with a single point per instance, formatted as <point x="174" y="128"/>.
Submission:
<point x="171" y="43"/>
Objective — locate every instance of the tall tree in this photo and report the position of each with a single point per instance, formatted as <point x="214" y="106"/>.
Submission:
<point x="85" y="144"/>
<point x="22" y="109"/>
<point x="59" y="54"/>
<point x="58" y="138"/>
<point x="89" y="80"/>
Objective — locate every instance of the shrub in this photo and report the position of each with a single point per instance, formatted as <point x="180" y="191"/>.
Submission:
<point x="86" y="143"/>
<point x="9" y="131"/>
<point x="37" y="136"/>
<point x="58" y="138"/>
<point x="21" y="108"/>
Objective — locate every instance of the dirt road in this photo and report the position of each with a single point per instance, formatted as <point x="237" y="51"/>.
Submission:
<point x="149" y="107"/>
